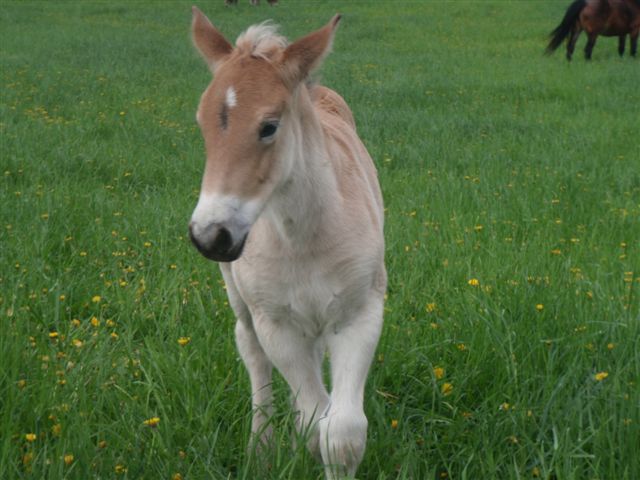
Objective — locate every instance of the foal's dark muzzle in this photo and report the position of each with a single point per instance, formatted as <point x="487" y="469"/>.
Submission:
<point x="216" y="243"/>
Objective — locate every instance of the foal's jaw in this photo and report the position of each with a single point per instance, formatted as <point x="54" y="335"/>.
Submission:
<point x="220" y="225"/>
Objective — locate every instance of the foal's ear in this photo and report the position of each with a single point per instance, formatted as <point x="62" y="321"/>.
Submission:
<point x="305" y="55"/>
<point x="208" y="40"/>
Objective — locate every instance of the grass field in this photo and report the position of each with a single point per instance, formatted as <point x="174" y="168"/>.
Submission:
<point x="511" y="347"/>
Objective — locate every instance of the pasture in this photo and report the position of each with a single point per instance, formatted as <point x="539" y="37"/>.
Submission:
<point x="511" y="345"/>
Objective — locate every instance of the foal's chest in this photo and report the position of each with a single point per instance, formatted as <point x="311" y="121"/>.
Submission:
<point x="313" y="295"/>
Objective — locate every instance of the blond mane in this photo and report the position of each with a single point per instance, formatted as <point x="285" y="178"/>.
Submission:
<point x="261" y="40"/>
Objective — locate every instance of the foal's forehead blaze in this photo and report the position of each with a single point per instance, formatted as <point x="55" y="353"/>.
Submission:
<point x="246" y="84"/>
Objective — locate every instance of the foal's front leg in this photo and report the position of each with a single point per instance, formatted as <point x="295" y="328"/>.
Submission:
<point x="343" y="431"/>
<point x="299" y="360"/>
<point x="256" y="362"/>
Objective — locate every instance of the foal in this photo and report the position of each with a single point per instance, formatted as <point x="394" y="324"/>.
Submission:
<point x="291" y="207"/>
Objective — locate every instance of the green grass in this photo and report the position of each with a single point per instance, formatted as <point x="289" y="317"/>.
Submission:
<point x="496" y="162"/>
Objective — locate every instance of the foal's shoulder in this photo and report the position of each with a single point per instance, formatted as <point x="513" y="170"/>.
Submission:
<point x="330" y="102"/>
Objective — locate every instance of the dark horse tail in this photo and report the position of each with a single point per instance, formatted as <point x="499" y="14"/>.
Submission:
<point x="563" y="30"/>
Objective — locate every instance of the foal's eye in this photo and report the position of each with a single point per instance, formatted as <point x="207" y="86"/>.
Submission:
<point x="268" y="130"/>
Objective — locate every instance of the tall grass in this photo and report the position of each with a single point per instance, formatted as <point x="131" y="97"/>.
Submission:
<point x="512" y="187"/>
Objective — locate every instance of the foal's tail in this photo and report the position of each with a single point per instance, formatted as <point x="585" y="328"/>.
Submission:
<point x="565" y="28"/>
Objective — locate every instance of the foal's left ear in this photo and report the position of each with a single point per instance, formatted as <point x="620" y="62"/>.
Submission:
<point x="305" y="55"/>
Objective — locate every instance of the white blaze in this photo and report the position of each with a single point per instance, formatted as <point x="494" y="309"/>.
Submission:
<point x="231" y="100"/>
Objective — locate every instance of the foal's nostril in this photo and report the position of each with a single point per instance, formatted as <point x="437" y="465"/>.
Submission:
<point x="223" y="241"/>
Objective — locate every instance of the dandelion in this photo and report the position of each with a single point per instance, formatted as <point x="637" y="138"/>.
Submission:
<point x="56" y="429"/>
<point x="539" y="307"/>
<point x="611" y="346"/>
<point x="95" y="322"/>
<point x="535" y="472"/>
<point x="68" y="459"/>
<point x="27" y="458"/>
<point x="22" y="383"/>
<point x="30" y="437"/>
<point x="152" y="422"/>
<point x="53" y="335"/>
<point x="77" y="343"/>
<point x="62" y="298"/>
<point x="182" y="341"/>
<point x="601" y="376"/>
<point x="446" y="389"/>
<point x="474" y="282"/>
<point x="431" y="307"/>
<point x="556" y="251"/>
<point x="504" y="406"/>
<point x="114" y="336"/>
<point x="147" y="244"/>
<point x="438" y="372"/>
<point x="75" y="322"/>
<point x="83" y="254"/>
<point x="182" y="454"/>
<point x="394" y="423"/>
<point x="461" y="346"/>
<point x="96" y="299"/>
<point x="120" y="469"/>
<point x="176" y="476"/>
<point x="173" y="266"/>
<point x="102" y="444"/>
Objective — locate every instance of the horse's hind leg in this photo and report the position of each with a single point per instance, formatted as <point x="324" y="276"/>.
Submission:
<point x="621" y="41"/>
<point x="590" y="44"/>
<point x="634" y="41"/>
<point x="571" y="43"/>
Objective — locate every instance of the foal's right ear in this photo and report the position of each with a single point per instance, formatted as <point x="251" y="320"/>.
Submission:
<point x="208" y="40"/>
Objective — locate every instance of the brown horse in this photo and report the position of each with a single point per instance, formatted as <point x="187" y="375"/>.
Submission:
<point x="610" y="18"/>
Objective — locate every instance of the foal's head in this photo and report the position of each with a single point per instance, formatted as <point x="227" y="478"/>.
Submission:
<point x="247" y="119"/>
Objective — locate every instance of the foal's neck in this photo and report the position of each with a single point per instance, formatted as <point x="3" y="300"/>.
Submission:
<point x="307" y="198"/>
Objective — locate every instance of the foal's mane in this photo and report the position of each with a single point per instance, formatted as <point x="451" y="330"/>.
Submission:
<point x="261" y="40"/>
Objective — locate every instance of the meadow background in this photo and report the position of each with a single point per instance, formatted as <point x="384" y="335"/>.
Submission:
<point x="511" y="346"/>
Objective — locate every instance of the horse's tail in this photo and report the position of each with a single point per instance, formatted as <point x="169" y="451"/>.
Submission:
<point x="563" y="30"/>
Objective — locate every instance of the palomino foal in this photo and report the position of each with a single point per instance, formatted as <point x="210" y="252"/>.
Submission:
<point x="291" y="208"/>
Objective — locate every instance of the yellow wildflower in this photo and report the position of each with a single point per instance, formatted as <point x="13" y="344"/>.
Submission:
<point x="474" y="282"/>
<point x="601" y="376"/>
<point x="53" y="335"/>
<point x="95" y="322"/>
<point x="176" y="476"/>
<point x="447" y="388"/>
<point x="438" y="372"/>
<point x="68" y="459"/>
<point x="182" y="341"/>
<point x="56" y="429"/>
<point x="120" y="469"/>
<point x="96" y="299"/>
<point x="77" y="343"/>
<point x="394" y="423"/>
<point x="539" y="307"/>
<point x="431" y="307"/>
<point x="152" y="422"/>
<point x="30" y="437"/>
